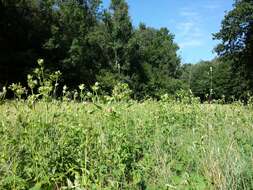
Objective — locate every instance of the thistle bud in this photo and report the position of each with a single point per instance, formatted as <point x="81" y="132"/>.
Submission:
<point x="40" y="62"/>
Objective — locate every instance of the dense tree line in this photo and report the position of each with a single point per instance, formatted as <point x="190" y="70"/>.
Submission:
<point x="231" y="74"/>
<point x="215" y="79"/>
<point x="88" y="43"/>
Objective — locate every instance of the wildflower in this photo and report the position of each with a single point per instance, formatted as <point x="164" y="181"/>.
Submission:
<point x="89" y="94"/>
<point x="37" y="71"/>
<point x="29" y="77"/>
<point x="95" y="88"/>
<point x="4" y="89"/>
<point x="58" y="73"/>
<point x="40" y="62"/>
<point x="75" y="95"/>
<point x="64" y="89"/>
<point x="81" y="86"/>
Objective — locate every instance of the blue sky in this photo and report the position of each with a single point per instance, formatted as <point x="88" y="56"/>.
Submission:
<point x="191" y="21"/>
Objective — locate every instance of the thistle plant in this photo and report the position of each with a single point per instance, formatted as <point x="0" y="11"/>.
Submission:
<point x="3" y="94"/>
<point x="108" y="99"/>
<point x="89" y="95"/>
<point x="65" y="93"/>
<point x="223" y="99"/>
<point x="32" y="83"/>
<point x="47" y="83"/>
<point x="211" y="85"/>
<point x="18" y="90"/>
<point x="121" y="92"/>
<point x="54" y="77"/>
<point x="46" y="89"/>
<point x="165" y="98"/>
<point x="186" y="97"/>
<point x="64" y="90"/>
<point x="75" y="95"/>
<point x="82" y="95"/>
<point x="95" y="88"/>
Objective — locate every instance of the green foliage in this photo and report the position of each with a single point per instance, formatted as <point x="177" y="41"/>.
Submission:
<point x="25" y="25"/>
<point x="222" y="81"/>
<point x="236" y="29"/>
<point x="186" y="97"/>
<point x="159" y="61"/>
<point x="18" y="90"/>
<point x="121" y="92"/>
<point x="87" y="44"/>
<point x="152" y="145"/>
<point x="3" y="94"/>
<point x="236" y="34"/>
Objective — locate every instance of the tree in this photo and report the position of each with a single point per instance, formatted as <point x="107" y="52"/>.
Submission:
<point x="159" y="60"/>
<point x="120" y="30"/>
<point x="217" y="75"/>
<point x="87" y="44"/>
<point x="236" y="35"/>
<point x="24" y="28"/>
<point x="71" y="48"/>
<point x="115" y="34"/>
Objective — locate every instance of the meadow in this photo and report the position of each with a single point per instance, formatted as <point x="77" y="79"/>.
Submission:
<point x="82" y="139"/>
<point x="122" y="105"/>
<point x="125" y="145"/>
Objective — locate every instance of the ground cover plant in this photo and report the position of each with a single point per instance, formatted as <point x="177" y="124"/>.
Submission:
<point x="149" y="145"/>
<point x="125" y="144"/>
<point x="82" y="140"/>
<point x="116" y="105"/>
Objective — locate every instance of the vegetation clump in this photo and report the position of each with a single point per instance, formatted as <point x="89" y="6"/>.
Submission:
<point x="86" y="141"/>
<point x="113" y="107"/>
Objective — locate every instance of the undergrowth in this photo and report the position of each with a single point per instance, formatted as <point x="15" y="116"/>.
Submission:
<point x="86" y="141"/>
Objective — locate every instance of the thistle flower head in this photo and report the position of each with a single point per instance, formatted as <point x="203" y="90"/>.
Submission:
<point x="40" y="62"/>
<point x="65" y="87"/>
<point x="89" y="94"/>
<point x="81" y="86"/>
<point x="29" y="77"/>
<point x="4" y="89"/>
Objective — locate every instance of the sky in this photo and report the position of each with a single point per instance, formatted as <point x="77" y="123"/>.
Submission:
<point x="191" y="21"/>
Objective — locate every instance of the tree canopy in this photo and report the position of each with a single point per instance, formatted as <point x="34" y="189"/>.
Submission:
<point x="89" y="43"/>
<point x="86" y="43"/>
<point x="236" y="37"/>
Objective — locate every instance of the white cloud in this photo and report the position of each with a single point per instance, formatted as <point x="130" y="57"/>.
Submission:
<point x="211" y="5"/>
<point x="190" y="33"/>
<point x="191" y="43"/>
<point x="188" y="12"/>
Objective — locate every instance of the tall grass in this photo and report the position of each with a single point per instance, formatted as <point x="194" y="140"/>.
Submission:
<point x="86" y="141"/>
<point x="149" y="145"/>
